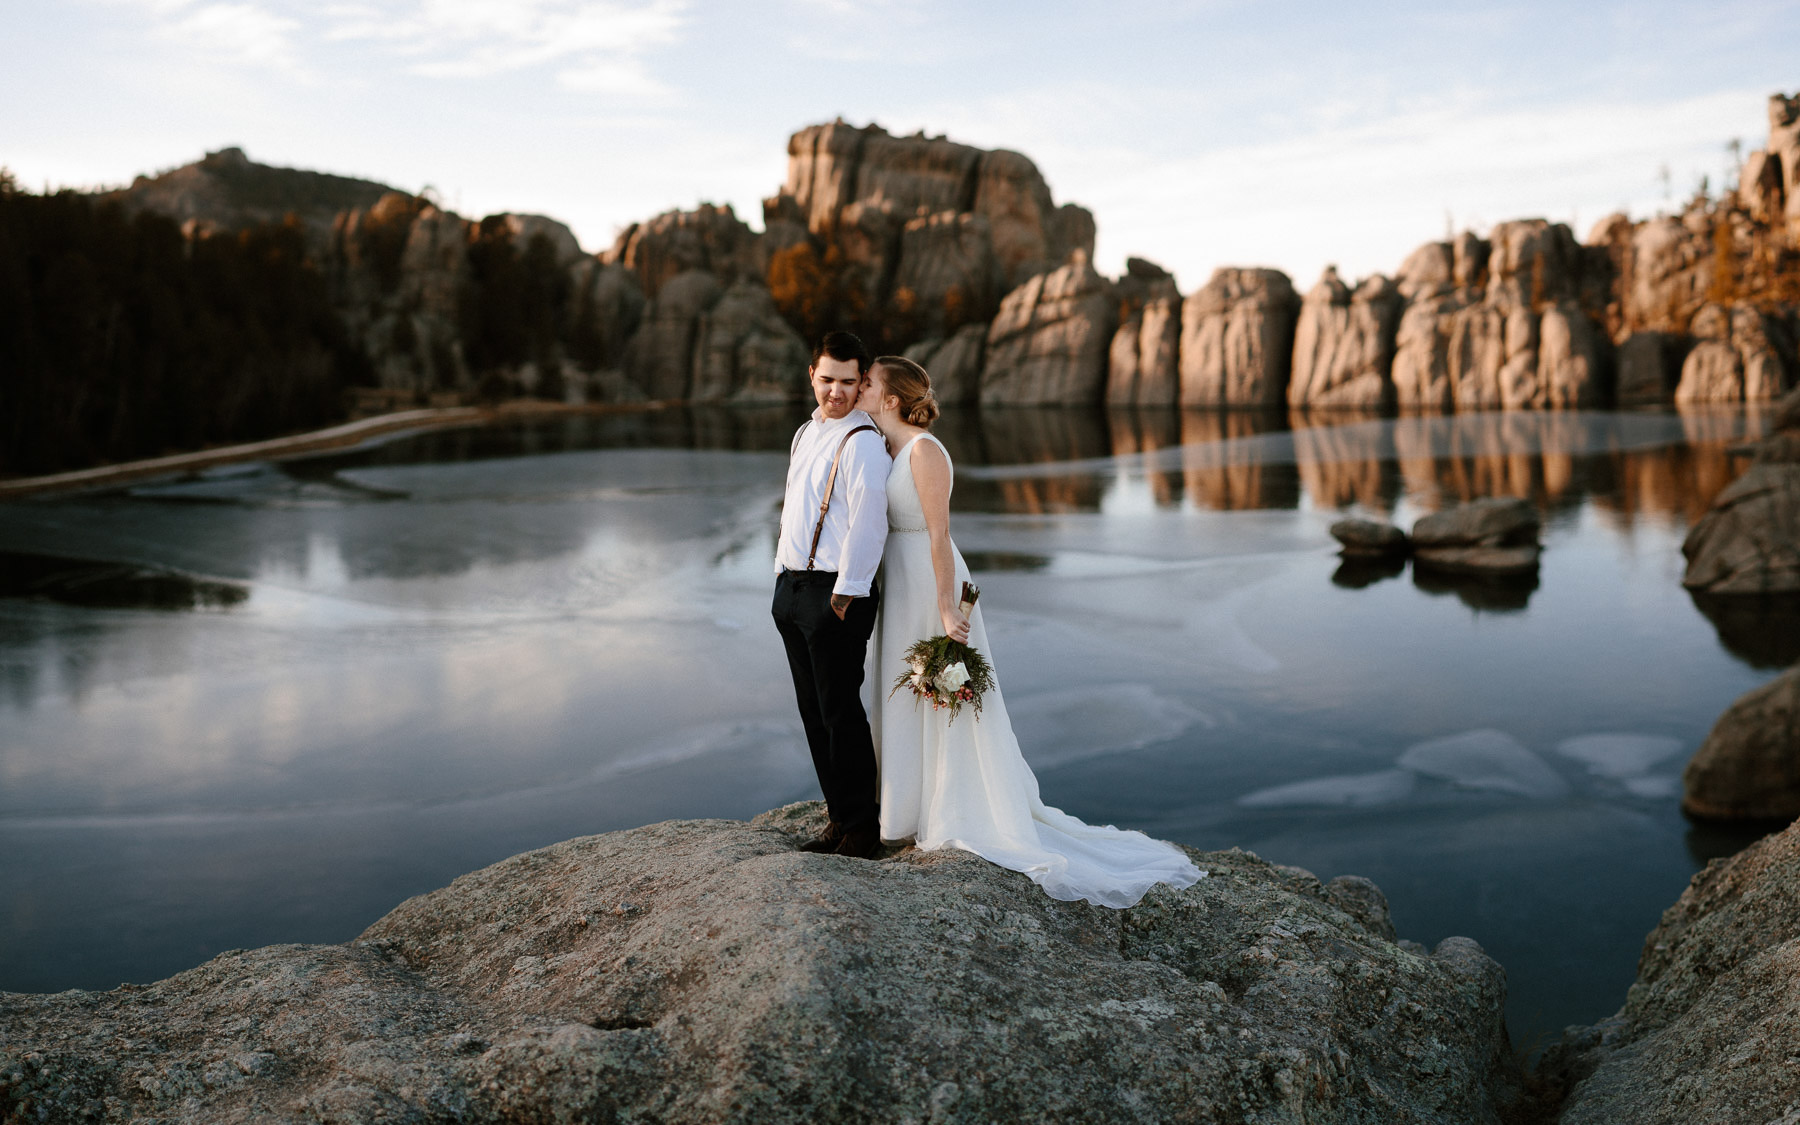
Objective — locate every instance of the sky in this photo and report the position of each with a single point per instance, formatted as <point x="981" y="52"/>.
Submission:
<point x="1201" y="133"/>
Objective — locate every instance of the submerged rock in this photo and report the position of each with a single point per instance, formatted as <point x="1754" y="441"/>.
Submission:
<point x="1707" y="1033"/>
<point x="1749" y="766"/>
<point x="703" y="971"/>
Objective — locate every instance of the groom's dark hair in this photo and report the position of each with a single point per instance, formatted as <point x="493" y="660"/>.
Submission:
<point x="841" y="345"/>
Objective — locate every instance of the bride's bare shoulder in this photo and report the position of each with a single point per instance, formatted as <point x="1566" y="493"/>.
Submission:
<point x="926" y="452"/>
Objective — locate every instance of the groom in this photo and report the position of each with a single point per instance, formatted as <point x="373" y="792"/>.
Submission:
<point x="833" y="528"/>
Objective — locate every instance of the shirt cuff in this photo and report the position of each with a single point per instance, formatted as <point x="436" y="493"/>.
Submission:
<point x="854" y="589"/>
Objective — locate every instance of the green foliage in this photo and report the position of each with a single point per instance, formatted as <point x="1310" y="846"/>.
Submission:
<point x="120" y="338"/>
<point x="929" y="658"/>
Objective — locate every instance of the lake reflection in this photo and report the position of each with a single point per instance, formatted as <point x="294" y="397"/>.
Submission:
<point x="453" y="646"/>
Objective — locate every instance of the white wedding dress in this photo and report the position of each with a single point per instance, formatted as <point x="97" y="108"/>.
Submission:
<point x="965" y="784"/>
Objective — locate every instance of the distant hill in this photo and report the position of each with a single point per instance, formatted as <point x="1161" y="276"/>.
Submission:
<point x="226" y="191"/>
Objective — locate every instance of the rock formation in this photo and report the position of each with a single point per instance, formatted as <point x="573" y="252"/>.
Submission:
<point x="1735" y="358"/>
<point x="1142" y="363"/>
<point x="1368" y="539"/>
<point x="1748" y="542"/>
<point x="920" y="241"/>
<point x="955" y="364"/>
<point x="1237" y="339"/>
<point x="1492" y="536"/>
<point x="1707" y="1032"/>
<point x="1749" y="766"/>
<point x="1766" y="186"/>
<point x="1344" y="344"/>
<point x="1049" y="342"/>
<point x="708" y="971"/>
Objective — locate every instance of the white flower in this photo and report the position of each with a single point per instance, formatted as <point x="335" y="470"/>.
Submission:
<point x="918" y="680"/>
<point x="953" y="677"/>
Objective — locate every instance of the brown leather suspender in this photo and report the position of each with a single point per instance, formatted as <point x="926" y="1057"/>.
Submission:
<point x="825" y="503"/>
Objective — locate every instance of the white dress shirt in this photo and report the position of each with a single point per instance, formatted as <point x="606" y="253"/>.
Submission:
<point x="856" y="523"/>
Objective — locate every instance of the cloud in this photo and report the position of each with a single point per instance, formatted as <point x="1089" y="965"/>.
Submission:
<point x="599" y="44"/>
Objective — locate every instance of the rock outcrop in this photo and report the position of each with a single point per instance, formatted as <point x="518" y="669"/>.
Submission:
<point x="1237" y="339"/>
<point x="1766" y="186"/>
<point x="1707" y="1032"/>
<point x="1748" y="542"/>
<point x="954" y="364"/>
<point x="1049" y="342"/>
<point x="1344" y="344"/>
<point x="916" y="241"/>
<point x="1749" y="766"/>
<point x="745" y="352"/>
<point x="1738" y="356"/>
<point x="1498" y="535"/>
<point x="1143" y="367"/>
<point x="708" y="971"/>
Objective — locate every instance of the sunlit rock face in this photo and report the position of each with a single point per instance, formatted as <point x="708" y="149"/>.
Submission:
<point x="1707" y="1030"/>
<point x="1237" y="339"/>
<point x="708" y="971"/>
<point x="1344" y="344"/>
<point x="1049" y="342"/>
<point x="1143" y="361"/>
<point x="935" y="231"/>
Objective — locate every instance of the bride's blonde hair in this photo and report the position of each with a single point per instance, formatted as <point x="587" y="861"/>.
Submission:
<point x="908" y="382"/>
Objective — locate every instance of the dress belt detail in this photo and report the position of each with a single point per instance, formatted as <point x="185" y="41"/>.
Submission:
<point x="891" y="530"/>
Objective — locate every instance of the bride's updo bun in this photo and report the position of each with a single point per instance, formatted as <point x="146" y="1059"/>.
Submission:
<point x="909" y="383"/>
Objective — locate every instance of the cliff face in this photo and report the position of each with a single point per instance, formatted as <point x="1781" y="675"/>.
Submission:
<point x="962" y="255"/>
<point x="708" y="971"/>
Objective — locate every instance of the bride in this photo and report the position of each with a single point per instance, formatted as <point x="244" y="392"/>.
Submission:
<point x="965" y="784"/>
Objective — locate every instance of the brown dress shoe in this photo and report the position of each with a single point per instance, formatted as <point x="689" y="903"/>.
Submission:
<point x="827" y="841"/>
<point x="859" y="845"/>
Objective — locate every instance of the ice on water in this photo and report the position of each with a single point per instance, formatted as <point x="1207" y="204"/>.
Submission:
<point x="1485" y="759"/>
<point x="1059" y="727"/>
<point x="1351" y="790"/>
<point x="1619" y="755"/>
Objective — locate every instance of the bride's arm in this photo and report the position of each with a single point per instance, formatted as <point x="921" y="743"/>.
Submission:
<point x="931" y="472"/>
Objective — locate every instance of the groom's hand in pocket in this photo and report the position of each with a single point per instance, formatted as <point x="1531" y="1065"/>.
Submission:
<point x="840" y="604"/>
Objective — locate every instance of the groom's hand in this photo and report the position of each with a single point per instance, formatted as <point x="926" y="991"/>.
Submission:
<point x="840" y="604"/>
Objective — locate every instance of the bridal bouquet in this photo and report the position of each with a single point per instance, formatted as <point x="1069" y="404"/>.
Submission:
<point x="948" y="673"/>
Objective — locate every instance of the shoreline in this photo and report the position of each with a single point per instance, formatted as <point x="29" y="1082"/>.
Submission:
<point x="341" y="436"/>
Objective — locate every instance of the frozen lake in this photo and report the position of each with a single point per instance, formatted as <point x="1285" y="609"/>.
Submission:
<point x="434" y="652"/>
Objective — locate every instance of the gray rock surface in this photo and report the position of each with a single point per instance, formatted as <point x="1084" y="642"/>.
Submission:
<point x="1748" y="542"/>
<point x="1048" y="344"/>
<point x="1707" y="1032"/>
<point x="1237" y="339"/>
<point x="954" y="364"/>
<point x="1749" y="766"/>
<point x="1496" y="535"/>
<point x="1370" y="539"/>
<point x="707" y="971"/>
<point x="660" y="358"/>
<point x="707" y="238"/>
<point x="745" y="352"/>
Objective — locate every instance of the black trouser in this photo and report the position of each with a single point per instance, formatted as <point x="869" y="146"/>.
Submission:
<point x="826" y="657"/>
